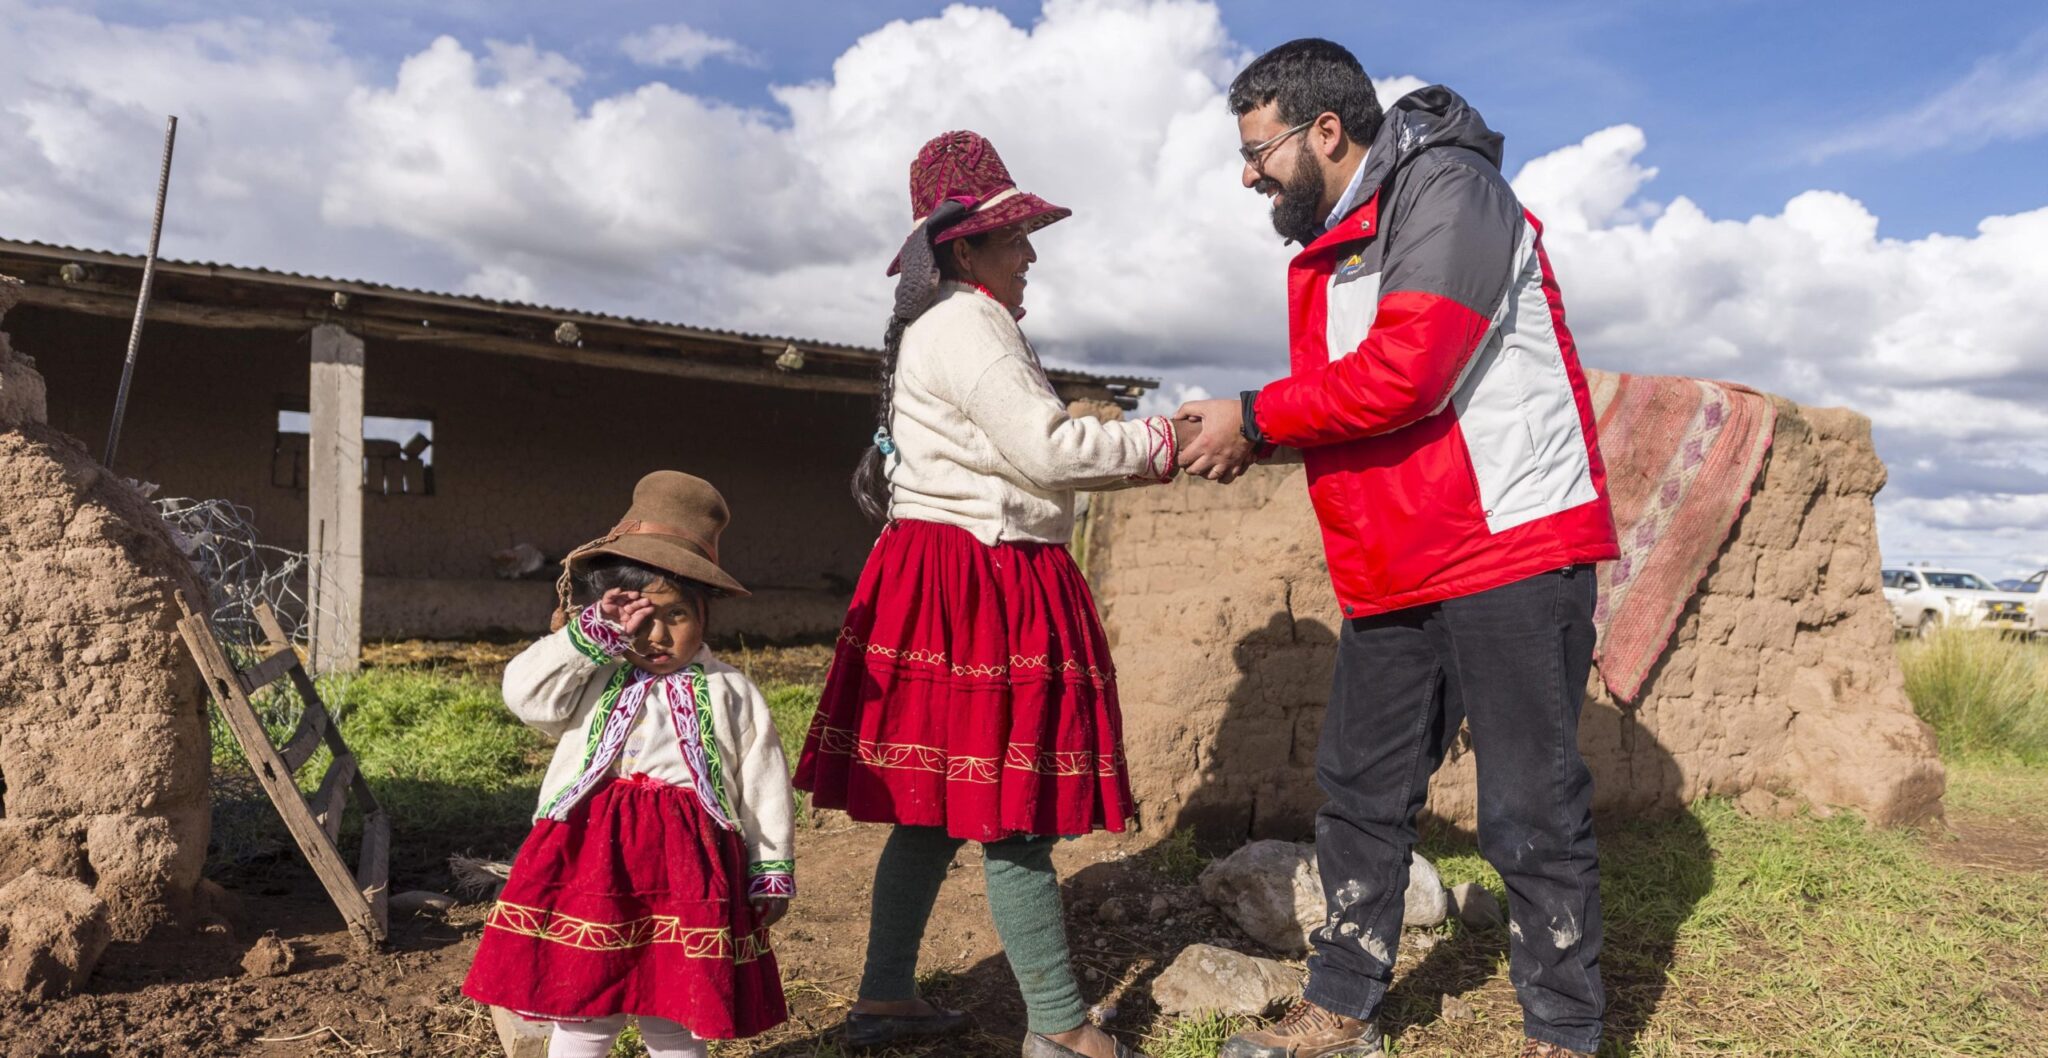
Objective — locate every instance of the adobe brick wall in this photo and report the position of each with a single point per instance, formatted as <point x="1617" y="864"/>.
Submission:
<point x="103" y="735"/>
<point x="1780" y="686"/>
<point x="526" y="451"/>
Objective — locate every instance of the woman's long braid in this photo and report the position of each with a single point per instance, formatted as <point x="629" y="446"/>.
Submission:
<point x="917" y="286"/>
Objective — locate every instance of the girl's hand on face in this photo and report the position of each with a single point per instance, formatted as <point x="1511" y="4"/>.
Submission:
<point x="627" y="609"/>
<point x="770" y="909"/>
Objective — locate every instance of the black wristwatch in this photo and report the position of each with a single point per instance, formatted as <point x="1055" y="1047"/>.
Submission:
<point x="1249" y="419"/>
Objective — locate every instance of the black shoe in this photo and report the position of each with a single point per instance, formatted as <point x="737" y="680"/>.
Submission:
<point x="1036" y="1046"/>
<point x="865" y="1031"/>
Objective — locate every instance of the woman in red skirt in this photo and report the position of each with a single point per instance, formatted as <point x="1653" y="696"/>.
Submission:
<point x="972" y="697"/>
<point x="661" y="851"/>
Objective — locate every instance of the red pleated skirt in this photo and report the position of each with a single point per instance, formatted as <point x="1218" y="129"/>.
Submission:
<point x="972" y="690"/>
<point x="637" y="904"/>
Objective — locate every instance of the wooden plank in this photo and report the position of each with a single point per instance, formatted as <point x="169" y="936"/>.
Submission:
<point x="267" y="671"/>
<point x="373" y="867"/>
<point x="266" y="619"/>
<point x="327" y="802"/>
<point x="312" y="729"/>
<point x="223" y="683"/>
<point x="334" y="499"/>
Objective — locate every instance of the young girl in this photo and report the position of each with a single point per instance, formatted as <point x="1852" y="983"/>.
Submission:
<point x="972" y="695"/>
<point x="661" y="850"/>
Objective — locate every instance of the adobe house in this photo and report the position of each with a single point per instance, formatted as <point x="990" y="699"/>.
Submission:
<point x="479" y="426"/>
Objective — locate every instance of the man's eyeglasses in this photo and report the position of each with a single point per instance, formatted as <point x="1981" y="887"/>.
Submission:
<point x="1256" y="153"/>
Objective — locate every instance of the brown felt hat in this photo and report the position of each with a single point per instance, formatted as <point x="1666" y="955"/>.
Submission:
<point x="673" y="525"/>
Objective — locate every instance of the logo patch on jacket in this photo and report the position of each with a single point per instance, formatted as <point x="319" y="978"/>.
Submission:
<point x="1350" y="268"/>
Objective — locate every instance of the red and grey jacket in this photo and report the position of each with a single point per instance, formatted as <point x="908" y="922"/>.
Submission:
<point x="1435" y="391"/>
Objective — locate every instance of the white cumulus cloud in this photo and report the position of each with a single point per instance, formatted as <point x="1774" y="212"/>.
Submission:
<point x="683" y="47"/>
<point x="490" y="167"/>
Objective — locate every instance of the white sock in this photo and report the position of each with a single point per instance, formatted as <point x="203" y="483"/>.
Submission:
<point x="666" y="1039"/>
<point x="585" y="1039"/>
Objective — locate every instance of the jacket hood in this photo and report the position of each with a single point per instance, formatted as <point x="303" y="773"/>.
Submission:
<point x="1424" y="119"/>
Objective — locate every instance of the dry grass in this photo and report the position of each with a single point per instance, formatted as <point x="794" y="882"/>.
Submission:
<point x="1986" y="694"/>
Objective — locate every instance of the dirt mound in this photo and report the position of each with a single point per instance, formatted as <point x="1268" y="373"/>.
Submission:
<point x="103" y="735"/>
<point x="1780" y="679"/>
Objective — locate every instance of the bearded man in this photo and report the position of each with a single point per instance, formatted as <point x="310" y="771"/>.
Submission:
<point x="1437" y="400"/>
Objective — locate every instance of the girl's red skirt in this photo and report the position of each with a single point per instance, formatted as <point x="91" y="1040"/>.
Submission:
<point x="972" y="690"/>
<point x="636" y="905"/>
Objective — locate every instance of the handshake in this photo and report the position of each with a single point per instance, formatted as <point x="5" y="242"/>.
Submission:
<point x="1210" y="437"/>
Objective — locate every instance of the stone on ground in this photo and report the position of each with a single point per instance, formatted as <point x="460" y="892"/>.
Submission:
<point x="520" y="1038"/>
<point x="1270" y="889"/>
<point x="270" y="956"/>
<point x="1476" y="906"/>
<point x="1424" y="905"/>
<point x="1205" y="978"/>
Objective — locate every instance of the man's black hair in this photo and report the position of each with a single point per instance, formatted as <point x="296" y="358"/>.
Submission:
<point x="602" y="573"/>
<point x="1308" y="77"/>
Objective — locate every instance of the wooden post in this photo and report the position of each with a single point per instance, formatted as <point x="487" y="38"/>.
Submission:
<point x="334" y="508"/>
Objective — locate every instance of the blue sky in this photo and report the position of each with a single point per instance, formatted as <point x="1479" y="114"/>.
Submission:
<point x="1730" y="92"/>
<point x="1839" y="202"/>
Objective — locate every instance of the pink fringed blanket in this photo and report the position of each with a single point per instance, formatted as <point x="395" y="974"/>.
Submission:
<point x="1681" y="455"/>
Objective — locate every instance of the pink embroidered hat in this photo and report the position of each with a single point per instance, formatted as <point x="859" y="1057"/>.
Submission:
<point x="964" y="167"/>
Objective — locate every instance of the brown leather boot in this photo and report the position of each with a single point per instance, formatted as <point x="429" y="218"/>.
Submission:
<point x="1541" y="1049"/>
<point x="1308" y="1031"/>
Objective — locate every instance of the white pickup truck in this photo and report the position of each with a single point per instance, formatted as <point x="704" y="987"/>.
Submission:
<point x="1924" y="599"/>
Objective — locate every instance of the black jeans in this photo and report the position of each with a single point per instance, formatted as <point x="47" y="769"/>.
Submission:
<point x="1514" y="661"/>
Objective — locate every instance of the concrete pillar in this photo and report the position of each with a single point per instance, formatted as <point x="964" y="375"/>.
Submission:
<point x="334" y="508"/>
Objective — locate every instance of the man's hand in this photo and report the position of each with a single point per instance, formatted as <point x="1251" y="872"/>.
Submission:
<point x="768" y="910"/>
<point x="1220" y="453"/>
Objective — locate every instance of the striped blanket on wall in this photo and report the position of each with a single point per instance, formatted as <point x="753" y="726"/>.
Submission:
<point x="1681" y="455"/>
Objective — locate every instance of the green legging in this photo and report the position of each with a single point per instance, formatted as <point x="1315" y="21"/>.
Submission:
<point x="1023" y="898"/>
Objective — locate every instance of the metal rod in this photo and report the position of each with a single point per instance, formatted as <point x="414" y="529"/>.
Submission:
<point x="156" y="231"/>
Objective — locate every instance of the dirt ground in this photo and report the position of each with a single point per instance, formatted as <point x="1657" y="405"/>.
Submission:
<point x="191" y="996"/>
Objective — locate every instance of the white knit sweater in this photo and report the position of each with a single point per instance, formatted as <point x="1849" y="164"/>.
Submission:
<point x="984" y="443"/>
<point x="558" y="685"/>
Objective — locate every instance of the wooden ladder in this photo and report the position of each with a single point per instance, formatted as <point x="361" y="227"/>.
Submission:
<point x="314" y="819"/>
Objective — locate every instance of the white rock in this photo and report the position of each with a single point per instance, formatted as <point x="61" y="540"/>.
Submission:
<point x="1425" y="904"/>
<point x="1205" y="978"/>
<point x="1270" y="889"/>
<point x="521" y="1038"/>
<point x="1476" y="907"/>
<point x="417" y="900"/>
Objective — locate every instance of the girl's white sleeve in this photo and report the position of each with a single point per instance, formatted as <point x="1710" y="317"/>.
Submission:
<point x="766" y="807"/>
<point x="546" y="684"/>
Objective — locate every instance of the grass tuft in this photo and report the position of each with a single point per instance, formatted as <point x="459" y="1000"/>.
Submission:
<point x="1985" y="694"/>
<point x="1195" y="1037"/>
<point x="1177" y="859"/>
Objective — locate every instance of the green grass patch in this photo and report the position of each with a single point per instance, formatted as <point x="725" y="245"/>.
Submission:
<point x="453" y="767"/>
<point x="1985" y="694"/>
<point x="1729" y="935"/>
<point x="792" y="705"/>
<point x="1178" y="858"/>
<point x="1196" y="1037"/>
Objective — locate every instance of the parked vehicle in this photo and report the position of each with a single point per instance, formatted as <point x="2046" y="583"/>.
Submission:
<point x="1924" y="599"/>
<point x="2037" y="621"/>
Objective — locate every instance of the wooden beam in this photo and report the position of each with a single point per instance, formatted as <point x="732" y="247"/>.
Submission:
<point x="268" y="671"/>
<point x="312" y="730"/>
<point x="223" y="683"/>
<point x="327" y="802"/>
<point x="334" y="499"/>
<point x="373" y="867"/>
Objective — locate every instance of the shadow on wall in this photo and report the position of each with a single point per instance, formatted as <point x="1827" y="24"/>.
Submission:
<point x="1655" y="869"/>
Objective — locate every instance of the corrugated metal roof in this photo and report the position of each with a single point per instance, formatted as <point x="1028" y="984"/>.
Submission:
<point x="60" y="254"/>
